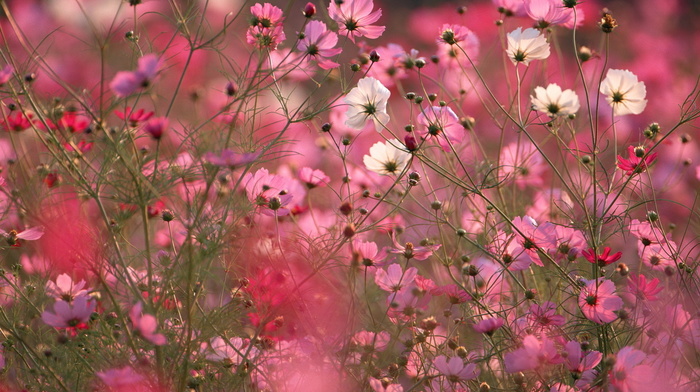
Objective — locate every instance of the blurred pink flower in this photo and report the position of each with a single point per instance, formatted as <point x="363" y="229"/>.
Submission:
<point x="394" y="278"/>
<point x="377" y="385"/>
<point x="318" y="43"/>
<point x="628" y="374"/>
<point x="598" y="301"/>
<point x="578" y="361"/>
<point x="133" y="118"/>
<point x="547" y="12"/>
<point x="70" y="316"/>
<point x="64" y="288"/>
<point x="231" y="159"/>
<point x="441" y="123"/>
<point x="489" y="325"/>
<point x="455" y="369"/>
<point x="638" y="161"/>
<point x="368" y="252"/>
<point x="355" y="18"/>
<point x="6" y="74"/>
<point x="232" y="351"/>
<point x="146" y="325"/>
<point x="127" y="82"/>
<point x="639" y="289"/>
<point x="313" y="178"/>
<point x="534" y="354"/>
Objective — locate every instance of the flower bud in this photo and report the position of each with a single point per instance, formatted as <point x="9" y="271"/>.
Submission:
<point x="355" y="67"/>
<point x="410" y="142"/>
<point x="309" y="10"/>
<point x="374" y="56"/>
<point x="420" y="63"/>
<point x="230" y="89"/>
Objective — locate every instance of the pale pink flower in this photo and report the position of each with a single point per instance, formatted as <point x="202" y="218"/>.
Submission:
<point x="510" y="7"/>
<point x="629" y="374"/>
<point x="355" y="18"/>
<point x="455" y="370"/>
<point x="146" y="325"/>
<point x="272" y="193"/>
<point x="313" y="178"/>
<point x="6" y="74"/>
<point x="64" y="288"/>
<point x="598" y="301"/>
<point x="489" y="325"/>
<point x="547" y="12"/>
<point x="394" y="278"/>
<point x="377" y="385"/>
<point x="526" y="45"/>
<point x="318" y="43"/>
<point x="266" y="29"/>
<point x="409" y="251"/>
<point x="544" y="315"/>
<point x="232" y="351"/>
<point x="578" y="361"/>
<point x="371" y="341"/>
<point x="534" y="354"/>
<point x="231" y="159"/>
<point x="127" y="82"/>
<point x="659" y="256"/>
<point x="31" y="234"/>
<point x="123" y="377"/>
<point x="368" y="252"/>
<point x="441" y="123"/>
<point x="523" y="163"/>
<point x="74" y="315"/>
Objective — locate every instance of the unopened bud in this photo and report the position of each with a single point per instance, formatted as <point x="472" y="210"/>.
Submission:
<point x="309" y="10"/>
<point x="374" y="56"/>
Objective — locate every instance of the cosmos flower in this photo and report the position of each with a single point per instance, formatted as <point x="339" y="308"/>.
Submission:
<point x="318" y="43"/>
<point x="554" y="102"/>
<point x="526" y="45"/>
<point x="127" y="82"/>
<point x="598" y="301"/>
<point x="355" y="18"/>
<point x="387" y="158"/>
<point x="637" y="162"/>
<point x="367" y="102"/>
<point x="624" y="92"/>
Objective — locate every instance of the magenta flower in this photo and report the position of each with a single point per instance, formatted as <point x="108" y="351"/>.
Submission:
<point x="409" y="251"/>
<point x="598" y="301"/>
<point x="318" y="42"/>
<point x="6" y="74"/>
<point x="127" y="82"/>
<point x="133" y="117"/>
<point x="456" y="294"/>
<point x="355" y="17"/>
<point x="146" y="325"/>
<point x="534" y="354"/>
<point x="313" y="178"/>
<point x="640" y="289"/>
<point x="455" y="369"/>
<point x="156" y="127"/>
<point x="489" y="325"/>
<point x="394" y="278"/>
<point x="65" y="289"/>
<point x="70" y="316"/>
<point x="638" y="161"/>
<point x="368" y="252"/>
<point x="577" y="361"/>
<point x="602" y="259"/>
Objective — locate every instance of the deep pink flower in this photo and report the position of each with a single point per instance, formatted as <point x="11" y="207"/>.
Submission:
<point x="642" y="290"/>
<point x="156" y="127"/>
<point x="638" y="161"/>
<point x="146" y="325"/>
<point x="74" y="122"/>
<point x="355" y="17"/>
<point x="17" y="121"/>
<point x="318" y="42"/>
<point x="133" y="117"/>
<point x="602" y="259"/>
<point x="313" y="178"/>
<point x="534" y="354"/>
<point x="544" y="315"/>
<point x="577" y="361"/>
<point x="598" y="301"/>
<point x="456" y="294"/>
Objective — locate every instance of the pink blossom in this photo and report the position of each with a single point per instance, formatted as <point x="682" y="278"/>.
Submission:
<point x="127" y="82"/>
<point x="355" y="18"/>
<point x="74" y="315"/>
<point x="394" y="278"/>
<point x="272" y="193"/>
<point x="534" y="354"/>
<point x="313" y="178"/>
<point x="64" y="288"/>
<point x="523" y="163"/>
<point x="146" y="325"/>
<point x="510" y="7"/>
<point x="6" y="74"/>
<point x="544" y="315"/>
<point x="441" y="123"/>
<point x="156" y="127"/>
<point x="368" y="252"/>
<point x="377" y="385"/>
<point x="577" y="361"/>
<point x="13" y="236"/>
<point x="409" y="251"/>
<point x="547" y="12"/>
<point x="635" y="164"/>
<point x="639" y="289"/>
<point x="489" y="325"/>
<point x="318" y="42"/>
<point x="232" y="351"/>
<point x="599" y="302"/>
<point x="371" y="341"/>
<point x="629" y="374"/>
<point x="231" y="159"/>
<point x="602" y="259"/>
<point x="133" y="117"/>
<point x="456" y="294"/>
<point x="455" y="369"/>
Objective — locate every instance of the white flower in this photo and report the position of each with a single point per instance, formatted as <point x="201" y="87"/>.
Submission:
<point x="554" y="102"/>
<point x="525" y="46"/>
<point x="367" y="101"/>
<point x="624" y="92"/>
<point x="387" y="158"/>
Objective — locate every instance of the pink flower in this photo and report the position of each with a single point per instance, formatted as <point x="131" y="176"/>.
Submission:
<point x="146" y="325"/>
<point x="232" y="351"/>
<point x="17" y="121"/>
<point x="640" y="289"/>
<point x="70" y="316"/>
<point x="456" y="294"/>
<point x="355" y="17"/>
<point x="313" y="178"/>
<point x="156" y="127"/>
<point x="371" y="341"/>
<point x="13" y="236"/>
<point x="127" y="82"/>
<point x="602" y="259"/>
<point x="413" y="252"/>
<point x="443" y="124"/>
<point x="133" y="117"/>
<point x="545" y="315"/>
<point x="489" y="325"/>
<point x="74" y="122"/>
<point x="638" y="161"/>
<point x="455" y="369"/>
<point x="368" y="253"/>
<point x="629" y="374"/>
<point x="547" y="12"/>
<point x="534" y="354"/>
<point x="579" y="362"/>
<point x="377" y="385"/>
<point x="231" y="159"/>
<point x="510" y="7"/>
<point x="598" y="301"/>
<point x="318" y="42"/>
<point x="6" y="74"/>
<point x="266" y="15"/>
<point x="272" y="193"/>
<point x="523" y="163"/>
<point x="65" y="289"/>
<point x="394" y="278"/>
<point x="454" y="34"/>
<point x="126" y="379"/>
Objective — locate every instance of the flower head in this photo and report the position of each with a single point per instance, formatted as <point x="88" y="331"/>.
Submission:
<point x="367" y="101"/>
<point x="146" y="325"/>
<point x="64" y="288"/>
<point x="638" y="161"/>
<point x="127" y="82"/>
<point x="318" y="42"/>
<point x="526" y="45"/>
<point x="599" y="302"/>
<point x="454" y="34"/>
<point x="355" y="17"/>
<point x="555" y="102"/>
<point x="265" y="29"/>
<point x="442" y="123"/>
<point x="455" y="370"/>
<point x="624" y="92"/>
<point x="602" y="259"/>
<point x="70" y="316"/>
<point x="387" y="158"/>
